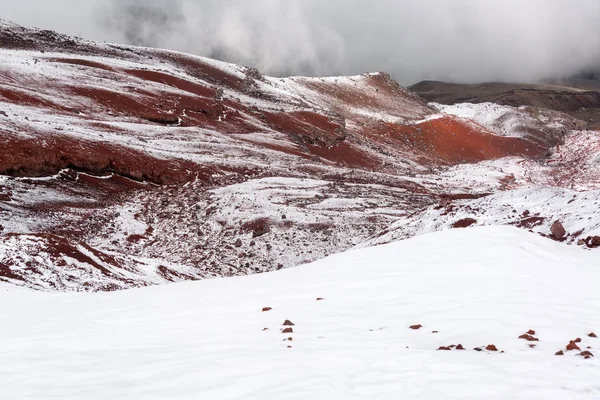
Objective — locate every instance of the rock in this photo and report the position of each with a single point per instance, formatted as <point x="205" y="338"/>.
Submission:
<point x="4" y="114"/>
<point x="320" y="298"/>
<point x="573" y="346"/>
<point x="289" y="347"/>
<point x="416" y="327"/>
<point x="586" y="354"/>
<point x="435" y="332"/>
<point x="592" y="335"/>
<point x="464" y="223"/>
<point x="290" y="339"/>
<point x="558" y="230"/>
<point x="592" y="242"/>
<point x="266" y="329"/>
<point x="1" y="228"/>
<point x="532" y="346"/>
<point x="531" y="332"/>
<point x="288" y="330"/>
<point x="238" y="243"/>
<point x="445" y="348"/>
<point x="477" y="349"/>
<point x="460" y="347"/>
<point x="560" y="353"/>
<point x="288" y="323"/>
<point x="267" y="309"/>
<point x="491" y="347"/>
<point x="578" y="340"/>
<point x="580" y="242"/>
<point x="529" y="338"/>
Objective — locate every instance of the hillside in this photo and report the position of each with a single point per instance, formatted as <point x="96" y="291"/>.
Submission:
<point x="474" y="288"/>
<point x="125" y="167"/>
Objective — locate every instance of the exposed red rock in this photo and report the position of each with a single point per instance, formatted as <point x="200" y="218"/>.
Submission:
<point x="529" y="338"/>
<point x="445" y="348"/>
<point x="491" y="347"/>
<point x="592" y="335"/>
<point x="560" y="353"/>
<point x="287" y="322"/>
<point x="416" y="327"/>
<point x="558" y="230"/>
<point x="288" y="330"/>
<point x="578" y="340"/>
<point x="586" y="354"/>
<point x="531" y="332"/>
<point x="464" y="223"/>
<point x="460" y="347"/>
<point x="265" y="309"/>
<point x="573" y="346"/>
<point x="320" y="298"/>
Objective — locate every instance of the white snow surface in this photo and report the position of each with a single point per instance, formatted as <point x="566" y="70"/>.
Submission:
<point x="205" y="340"/>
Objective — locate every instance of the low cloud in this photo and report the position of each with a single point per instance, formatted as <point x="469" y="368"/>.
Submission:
<point x="459" y="40"/>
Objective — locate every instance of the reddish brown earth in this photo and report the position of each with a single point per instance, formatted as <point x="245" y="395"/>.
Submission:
<point x="113" y="157"/>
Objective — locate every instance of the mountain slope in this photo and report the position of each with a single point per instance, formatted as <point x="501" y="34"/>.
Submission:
<point x="474" y="287"/>
<point x="125" y="167"/>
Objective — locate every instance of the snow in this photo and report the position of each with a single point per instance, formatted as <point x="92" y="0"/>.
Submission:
<point x="206" y="340"/>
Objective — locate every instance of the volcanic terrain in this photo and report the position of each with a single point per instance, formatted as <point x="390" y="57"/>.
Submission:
<point x="123" y="166"/>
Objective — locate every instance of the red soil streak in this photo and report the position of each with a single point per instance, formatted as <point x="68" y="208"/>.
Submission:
<point x="84" y="63"/>
<point x="197" y="68"/>
<point x="34" y="158"/>
<point x="21" y="97"/>
<point x="308" y="127"/>
<point x="451" y="141"/>
<point x="346" y="154"/>
<point x="172" y="81"/>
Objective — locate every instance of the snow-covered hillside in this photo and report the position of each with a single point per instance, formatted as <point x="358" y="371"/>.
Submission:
<point x="212" y="340"/>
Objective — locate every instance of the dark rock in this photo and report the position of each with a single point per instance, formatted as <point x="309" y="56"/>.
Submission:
<point x="238" y="243"/>
<point x="464" y="223"/>
<point x="460" y="347"/>
<point x="558" y="230"/>
<point x="529" y="338"/>
<point x="267" y="309"/>
<point x="491" y="347"/>
<point x="560" y="353"/>
<point x="573" y="346"/>
<point x="288" y="323"/>
<point x="592" y="335"/>
<point x="416" y="327"/>
<point x="445" y="348"/>
<point x="288" y="330"/>
<point x="4" y="114"/>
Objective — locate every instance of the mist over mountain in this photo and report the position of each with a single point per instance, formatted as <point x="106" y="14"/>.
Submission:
<point x="460" y="41"/>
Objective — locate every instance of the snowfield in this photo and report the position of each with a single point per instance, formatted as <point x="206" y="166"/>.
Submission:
<point x="205" y="340"/>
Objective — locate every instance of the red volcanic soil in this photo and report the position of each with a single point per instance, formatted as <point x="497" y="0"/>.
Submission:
<point x="451" y="141"/>
<point x="34" y="158"/>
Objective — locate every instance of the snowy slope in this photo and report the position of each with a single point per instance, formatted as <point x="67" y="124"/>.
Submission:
<point x="205" y="340"/>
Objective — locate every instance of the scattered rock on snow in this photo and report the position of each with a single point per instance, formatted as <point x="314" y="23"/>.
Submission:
<point x="464" y="223"/>
<point x="445" y="348"/>
<point x="288" y="330"/>
<point x="573" y="346"/>
<point x="578" y="340"/>
<point x="288" y="323"/>
<point x="529" y="338"/>
<point x="558" y="230"/>
<point x="531" y="332"/>
<point x="560" y="353"/>
<point x="267" y="309"/>
<point x="586" y="354"/>
<point x="491" y="347"/>
<point x="592" y="335"/>
<point x="416" y="327"/>
<point x="460" y="347"/>
<point x="238" y="243"/>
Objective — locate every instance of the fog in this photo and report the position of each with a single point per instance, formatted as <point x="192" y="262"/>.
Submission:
<point x="451" y="40"/>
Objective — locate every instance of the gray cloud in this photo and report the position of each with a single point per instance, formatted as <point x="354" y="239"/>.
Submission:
<point x="454" y="40"/>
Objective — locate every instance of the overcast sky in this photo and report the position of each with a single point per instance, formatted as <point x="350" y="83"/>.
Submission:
<point x="453" y="40"/>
